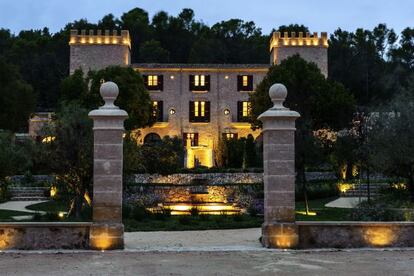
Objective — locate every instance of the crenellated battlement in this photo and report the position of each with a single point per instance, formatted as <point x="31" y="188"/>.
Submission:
<point x="315" y="40"/>
<point x="99" y="38"/>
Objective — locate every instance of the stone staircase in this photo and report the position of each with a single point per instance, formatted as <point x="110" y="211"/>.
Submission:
<point x="361" y="190"/>
<point x="29" y="193"/>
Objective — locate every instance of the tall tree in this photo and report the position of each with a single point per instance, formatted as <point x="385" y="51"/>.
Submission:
<point x="308" y="90"/>
<point x="70" y="153"/>
<point x="392" y="137"/>
<point x="17" y="100"/>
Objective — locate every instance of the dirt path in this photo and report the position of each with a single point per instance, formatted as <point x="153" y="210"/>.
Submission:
<point x="210" y="263"/>
<point x="235" y="239"/>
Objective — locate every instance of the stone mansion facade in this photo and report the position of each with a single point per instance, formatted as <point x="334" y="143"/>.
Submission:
<point x="201" y="103"/>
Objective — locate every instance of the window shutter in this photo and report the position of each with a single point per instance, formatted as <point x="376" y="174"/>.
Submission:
<point x="195" y="142"/>
<point x="250" y="83"/>
<point x="239" y="111"/>
<point x="160" y="82"/>
<point x="160" y="111"/>
<point x="207" y="82"/>
<point x="207" y="112"/>
<point x="239" y="83"/>
<point x="145" y="77"/>
<point x="191" y="83"/>
<point x="191" y="114"/>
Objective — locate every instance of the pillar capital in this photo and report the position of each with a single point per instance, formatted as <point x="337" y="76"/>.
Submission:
<point x="278" y="117"/>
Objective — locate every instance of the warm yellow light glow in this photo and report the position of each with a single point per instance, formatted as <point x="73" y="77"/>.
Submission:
<point x="153" y="80"/>
<point x="380" y="236"/>
<point x="344" y="187"/>
<point x="196" y="109"/>
<point x="48" y="139"/>
<point x="226" y="77"/>
<point x="102" y="242"/>
<point x="115" y="41"/>
<point x="399" y="186"/>
<point x="284" y="241"/>
<point x="53" y="191"/>
<point x="203" y="108"/>
<point x="172" y="77"/>
<point x="199" y="80"/>
<point x="87" y="198"/>
<point x="206" y="208"/>
<point x="306" y="214"/>
<point x="355" y="170"/>
<point x="83" y="40"/>
<point x="61" y="214"/>
<point x="246" y="109"/>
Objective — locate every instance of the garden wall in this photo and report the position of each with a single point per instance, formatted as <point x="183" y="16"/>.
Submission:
<point x="44" y="235"/>
<point x="150" y="194"/>
<point x="355" y="234"/>
<point x="217" y="178"/>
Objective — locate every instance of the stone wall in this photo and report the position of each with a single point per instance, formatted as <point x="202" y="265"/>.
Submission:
<point x="217" y="178"/>
<point x="317" y="55"/>
<point x="355" y="234"/>
<point x="151" y="194"/>
<point x="207" y="178"/>
<point x="96" y="57"/>
<point x="39" y="236"/>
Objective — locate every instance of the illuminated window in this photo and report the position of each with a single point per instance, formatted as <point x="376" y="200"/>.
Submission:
<point x="199" y="111"/>
<point x="199" y="82"/>
<point x="243" y="111"/>
<point x="246" y="109"/>
<point x="153" y="82"/>
<point x="245" y="83"/>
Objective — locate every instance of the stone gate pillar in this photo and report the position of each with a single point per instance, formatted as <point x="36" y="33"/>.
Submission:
<point x="107" y="231"/>
<point x="279" y="229"/>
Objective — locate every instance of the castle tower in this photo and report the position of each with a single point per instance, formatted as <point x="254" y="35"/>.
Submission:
<point x="310" y="48"/>
<point x="94" y="51"/>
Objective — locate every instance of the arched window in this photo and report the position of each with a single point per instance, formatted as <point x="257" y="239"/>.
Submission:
<point x="152" y="138"/>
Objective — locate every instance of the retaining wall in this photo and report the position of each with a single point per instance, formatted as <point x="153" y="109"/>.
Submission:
<point x="355" y="234"/>
<point x="44" y="235"/>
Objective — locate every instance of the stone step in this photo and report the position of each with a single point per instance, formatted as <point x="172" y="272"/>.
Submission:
<point x="28" y="188"/>
<point x="25" y="198"/>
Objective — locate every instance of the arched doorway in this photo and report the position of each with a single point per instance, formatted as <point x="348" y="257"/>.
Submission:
<point x="152" y="138"/>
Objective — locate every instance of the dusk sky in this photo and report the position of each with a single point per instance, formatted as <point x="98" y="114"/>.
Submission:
<point x="318" y="15"/>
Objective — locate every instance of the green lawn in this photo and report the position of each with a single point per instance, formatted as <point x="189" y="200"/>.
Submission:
<point x="183" y="223"/>
<point x="50" y="206"/>
<point x="322" y="213"/>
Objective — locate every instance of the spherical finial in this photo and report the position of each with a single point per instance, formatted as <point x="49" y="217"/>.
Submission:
<point x="109" y="92"/>
<point x="277" y="94"/>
